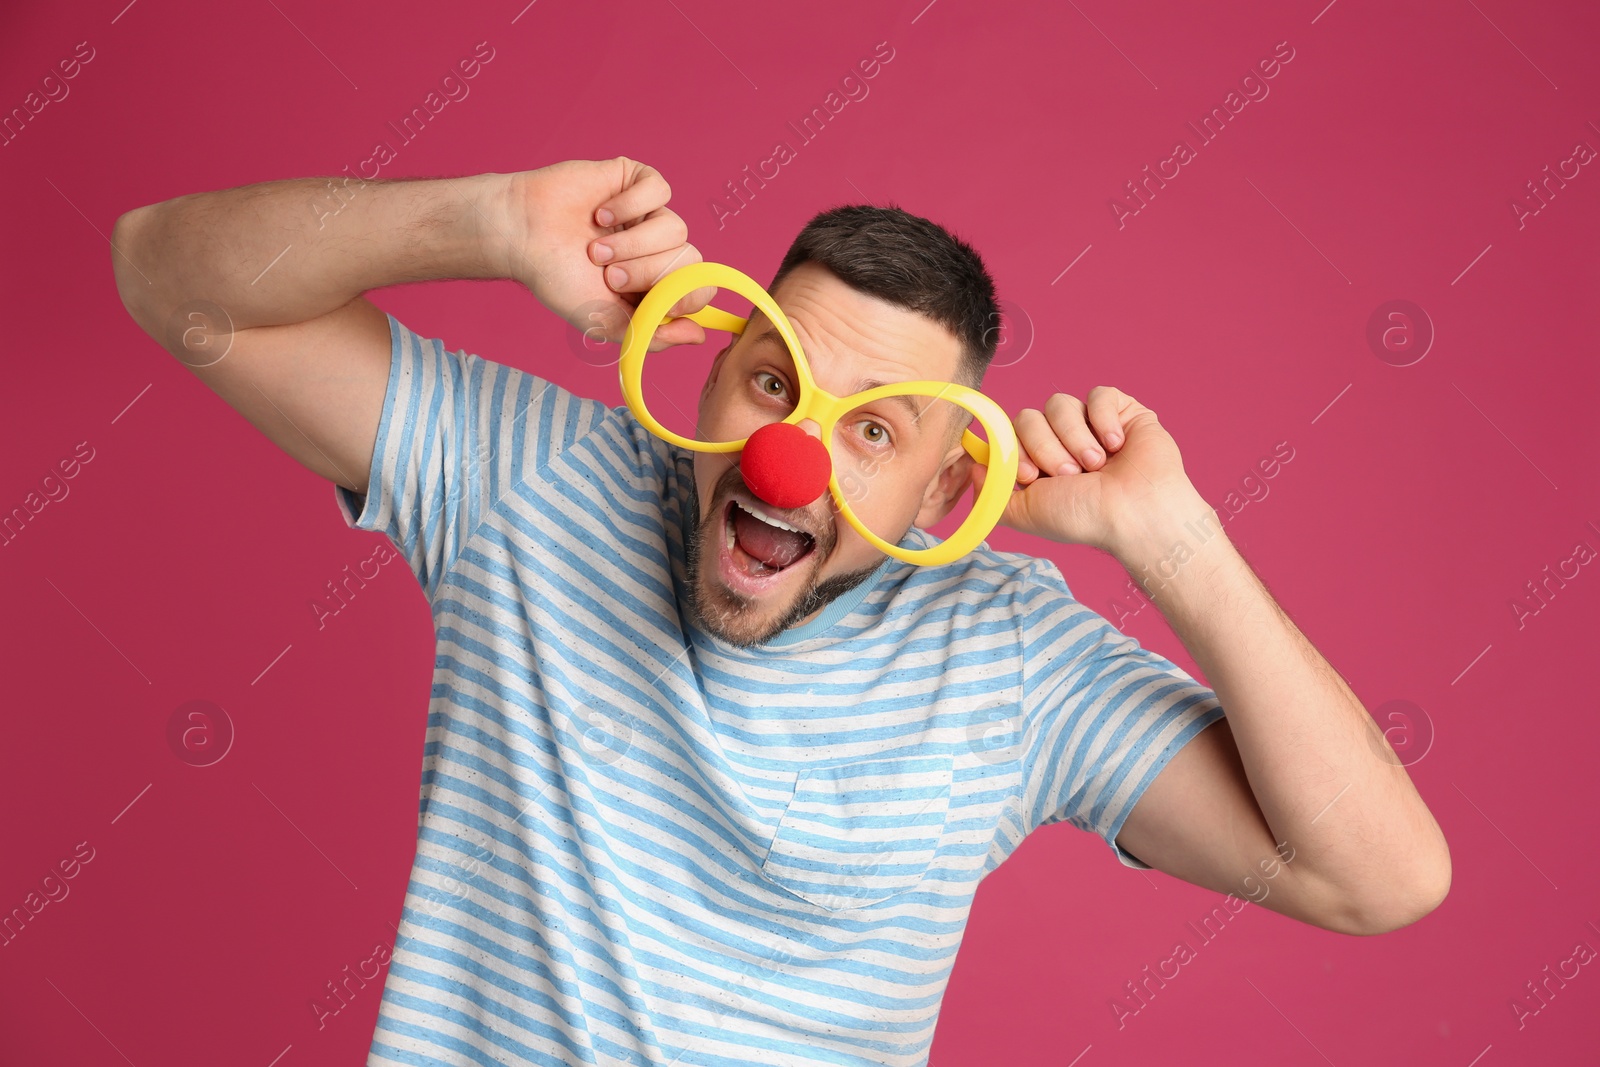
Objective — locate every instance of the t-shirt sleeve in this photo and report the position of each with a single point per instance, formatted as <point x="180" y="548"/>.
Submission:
<point x="457" y="432"/>
<point x="1101" y="714"/>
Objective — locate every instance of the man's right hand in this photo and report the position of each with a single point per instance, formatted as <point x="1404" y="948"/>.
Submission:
<point x="589" y="238"/>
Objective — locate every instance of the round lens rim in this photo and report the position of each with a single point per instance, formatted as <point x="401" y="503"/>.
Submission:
<point x="1001" y="450"/>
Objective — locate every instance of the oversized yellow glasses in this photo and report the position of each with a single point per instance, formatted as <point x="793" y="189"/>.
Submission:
<point x="864" y="434"/>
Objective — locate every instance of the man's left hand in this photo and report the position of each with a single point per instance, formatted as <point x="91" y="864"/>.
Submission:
<point x="1102" y="473"/>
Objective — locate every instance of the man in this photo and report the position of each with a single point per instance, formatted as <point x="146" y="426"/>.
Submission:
<point x="695" y="796"/>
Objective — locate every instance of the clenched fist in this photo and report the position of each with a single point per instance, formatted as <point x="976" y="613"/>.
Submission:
<point x="1101" y="472"/>
<point x="589" y="238"/>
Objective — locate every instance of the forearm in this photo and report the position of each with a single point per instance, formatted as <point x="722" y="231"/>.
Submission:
<point x="1324" y="778"/>
<point x="288" y="251"/>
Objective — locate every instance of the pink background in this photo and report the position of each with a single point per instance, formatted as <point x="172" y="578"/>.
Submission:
<point x="1420" y="500"/>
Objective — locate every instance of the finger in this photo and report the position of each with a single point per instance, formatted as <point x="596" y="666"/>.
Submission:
<point x="695" y="300"/>
<point x="980" y="476"/>
<point x="678" y="332"/>
<point x="643" y="190"/>
<point x="1066" y="416"/>
<point x="613" y="323"/>
<point x="639" y="275"/>
<point x="660" y="231"/>
<point x="1105" y="416"/>
<point x="1042" y="444"/>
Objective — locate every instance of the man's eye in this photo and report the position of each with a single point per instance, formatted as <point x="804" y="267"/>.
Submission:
<point x="874" y="433"/>
<point x="771" y="384"/>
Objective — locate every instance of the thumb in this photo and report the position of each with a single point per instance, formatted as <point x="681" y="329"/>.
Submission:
<point x="610" y="320"/>
<point x="604" y="320"/>
<point x="980" y="477"/>
<point x="678" y="332"/>
<point x="1028" y="508"/>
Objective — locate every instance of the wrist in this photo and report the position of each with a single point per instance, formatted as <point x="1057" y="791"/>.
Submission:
<point x="487" y="227"/>
<point x="1155" y="549"/>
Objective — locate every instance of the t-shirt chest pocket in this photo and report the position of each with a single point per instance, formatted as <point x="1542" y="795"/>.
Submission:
<point x="858" y="834"/>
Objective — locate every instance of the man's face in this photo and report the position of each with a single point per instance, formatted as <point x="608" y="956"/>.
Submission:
<point x="849" y="339"/>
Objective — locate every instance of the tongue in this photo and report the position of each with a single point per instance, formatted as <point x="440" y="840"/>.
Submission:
<point x="765" y="542"/>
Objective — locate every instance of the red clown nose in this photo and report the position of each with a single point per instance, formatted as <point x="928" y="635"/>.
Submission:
<point x="785" y="466"/>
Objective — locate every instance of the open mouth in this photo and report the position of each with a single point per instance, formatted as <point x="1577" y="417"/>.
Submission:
<point x="760" y="545"/>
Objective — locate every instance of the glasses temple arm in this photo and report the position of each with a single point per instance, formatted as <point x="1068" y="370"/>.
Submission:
<point x="716" y="319"/>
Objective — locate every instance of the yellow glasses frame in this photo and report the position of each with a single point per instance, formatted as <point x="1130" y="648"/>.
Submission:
<point x="823" y="407"/>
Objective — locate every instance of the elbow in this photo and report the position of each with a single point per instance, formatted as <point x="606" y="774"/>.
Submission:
<point x="132" y="286"/>
<point x="1400" y="903"/>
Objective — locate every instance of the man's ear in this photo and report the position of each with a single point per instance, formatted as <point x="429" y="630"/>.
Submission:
<point x="716" y="368"/>
<point x="947" y="487"/>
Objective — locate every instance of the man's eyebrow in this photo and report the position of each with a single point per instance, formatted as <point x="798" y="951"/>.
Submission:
<point x="772" y="338"/>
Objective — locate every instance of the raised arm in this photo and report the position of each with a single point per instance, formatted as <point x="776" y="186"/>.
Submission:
<point x="259" y="290"/>
<point x="1295" y="799"/>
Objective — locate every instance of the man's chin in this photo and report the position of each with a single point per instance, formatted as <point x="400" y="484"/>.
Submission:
<point x="746" y="611"/>
<point x="738" y="623"/>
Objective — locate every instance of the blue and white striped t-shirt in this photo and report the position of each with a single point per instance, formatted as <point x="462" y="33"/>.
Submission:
<point x="639" y="844"/>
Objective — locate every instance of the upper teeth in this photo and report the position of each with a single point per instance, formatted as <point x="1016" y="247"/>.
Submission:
<point x="768" y="519"/>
